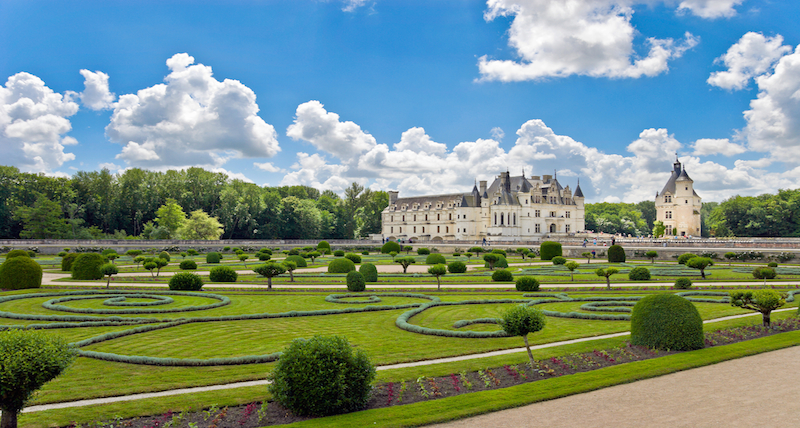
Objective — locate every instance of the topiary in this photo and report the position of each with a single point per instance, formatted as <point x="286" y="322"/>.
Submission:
<point x="17" y="273"/>
<point x="365" y="253"/>
<point x="213" y="257"/>
<point x="423" y="251"/>
<point x="435" y="259"/>
<point x="502" y="275"/>
<point x="62" y="253"/>
<point x="369" y="271"/>
<point x="640" y="273"/>
<point x="683" y="258"/>
<point x="263" y="256"/>
<point x="188" y="265"/>
<point x="355" y="258"/>
<point x="527" y="283"/>
<point x="389" y="247"/>
<point x="294" y="252"/>
<point x="164" y="255"/>
<point x="616" y="254"/>
<point x="764" y="273"/>
<point x="355" y="281"/>
<point x="666" y="321"/>
<point x="66" y="261"/>
<point x="549" y="249"/>
<point x="772" y="264"/>
<point x="226" y="248"/>
<point x="500" y="263"/>
<point x="457" y="267"/>
<point x="87" y="266"/>
<point x="499" y="251"/>
<point x="558" y="260"/>
<point x="341" y="266"/>
<point x="222" y="274"/>
<point x="322" y="376"/>
<point x="338" y="253"/>
<point x="682" y="283"/>
<point x="186" y="281"/>
<point x="17" y="253"/>
<point x="265" y="250"/>
<point x="324" y="245"/>
<point x="298" y="260"/>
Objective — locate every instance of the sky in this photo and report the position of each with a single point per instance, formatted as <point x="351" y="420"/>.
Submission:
<point x="423" y="97"/>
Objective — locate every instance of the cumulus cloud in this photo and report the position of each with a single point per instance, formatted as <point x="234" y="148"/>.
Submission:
<point x="585" y="37"/>
<point x="710" y="8"/>
<point x="313" y="170"/>
<point x="192" y="119"/>
<point x="314" y="124"/>
<point x="711" y="146"/>
<point x="33" y="121"/>
<point x="352" y="5"/>
<point x="497" y="133"/>
<point x="751" y="56"/>
<point x="268" y="166"/>
<point x="96" y="94"/>
<point x="233" y="175"/>
<point x="416" y="140"/>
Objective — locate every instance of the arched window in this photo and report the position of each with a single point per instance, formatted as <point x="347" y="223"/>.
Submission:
<point x="552" y="228"/>
<point x="501" y="219"/>
<point x="495" y="219"/>
<point x="438" y="216"/>
<point x="415" y="229"/>
<point x="515" y="219"/>
<point x="450" y="216"/>
<point x="437" y="229"/>
<point x="447" y="229"/>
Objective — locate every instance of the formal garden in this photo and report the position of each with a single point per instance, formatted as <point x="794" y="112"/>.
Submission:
<point x="138" y="328"/>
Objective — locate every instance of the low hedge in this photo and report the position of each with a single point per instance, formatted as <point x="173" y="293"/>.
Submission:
<point x="338" y="253"/>
<point x="186" y="281"/>
<point x="341" y="266"/>
<point x="558" y="261"/>
<point x="222" y="274"/>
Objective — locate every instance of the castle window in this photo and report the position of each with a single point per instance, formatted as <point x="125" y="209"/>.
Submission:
<point x="415" y="218"/>
<point x="392" y="218"/>
<point x="687" y="201"/>
<point x="437" y="229"/>
<point x="552" y="213"/>
<point x="450" y="216"/>
<point x="404" y="218"/>
<point x="687" y="188"/>
<point x="415" y="229"/>
<point x="391" y="230"/>
<point x="537" y="213"/>
<point x="566" y="228"/>
<point x="438" y="216"/>
<point x="495" y="219"/>
<point x="526" y="202"/>
<point x="553" y="228"/>
<point x="567" y="214"/>
<point x="668" y="214"/>
<point x="426" y="217"/>
<point x="515" y="219"/>
<point x="538" y="228"/>
<point x="447" y="229"/>
<point x="401" y="229"/>
<point x="501" y="219"/>
<point x="667" y="198"/>
<point x="423" y="229"/>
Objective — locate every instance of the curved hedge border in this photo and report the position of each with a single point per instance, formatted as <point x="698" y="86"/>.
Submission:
<point x="464" y="323"/>
<point x="53" y="304"/>
<point x="337" y="298"/>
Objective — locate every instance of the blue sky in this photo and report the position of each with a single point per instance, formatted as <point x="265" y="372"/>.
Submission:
<point x="416" y="96"/>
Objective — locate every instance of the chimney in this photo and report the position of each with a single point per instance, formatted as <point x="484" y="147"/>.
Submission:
<point x="393" y="196"/>
<point x="547" y="178"/>
<point x="483" y="186"/>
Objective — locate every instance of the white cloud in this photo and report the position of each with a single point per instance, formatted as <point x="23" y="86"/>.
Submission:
<point x="191" y="120"/>
<point x="233" y="175"/>
<point x="710" y="146"/>
<point x="268" y="166"/>
<point x="352" y="5"/>
<point x="710" y="8"/>
<point x="416" y="140"/>
<point x="33" y="120"/>
<point x="324" y="131"/>
<point x="96" y="94"/>
<point x="751" y="56"/>
<point x="497" y="133"/>
<point x="109" y="166"/>
<point x="584" y="37"/>
<point x="312" y="170"/>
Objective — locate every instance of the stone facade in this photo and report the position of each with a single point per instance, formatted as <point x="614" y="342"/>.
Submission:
<point x="510" y="209"/>
<point x="678" y="205"/>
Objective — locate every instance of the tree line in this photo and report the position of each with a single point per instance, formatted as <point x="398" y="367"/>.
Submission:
<point x="102" y="205"/>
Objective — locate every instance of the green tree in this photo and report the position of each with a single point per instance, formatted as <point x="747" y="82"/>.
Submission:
<point x="108" y="270"/>
<point x="763" y="301"/>
<point x="659" y="229"/>
<point x="290" y="267"/>
<point x="607" y="274"/>
<point x="171" y="217"/>
<point x="405" y="262"/>
<point x="43" y="220"/>
<point x="438" y="271"/>
<point x="522" y="320"/>
<point x="491" y="258"/>
<point x="651" y="255"/>
<point x="700" y="263"/>
<point x="571" y="266"/>
<point x="270" y="270"/>
<point x="588" y="256"/>
<point x="200" y="225"/>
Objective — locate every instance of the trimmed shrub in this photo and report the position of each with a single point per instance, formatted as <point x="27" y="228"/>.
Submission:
<point x="164" y="255"/>
<point x="457" y="267"/>
<point x="213" y="257"/>
<point x="298" y="260"/>
<point x="341" y="266"/>
<point x="62" y="253"/>
<point x="338" y="253"/>
<point x="666" y="321"/>
<point x="684" y="257"/>
<point x="226" y="248"/>
<point x="502" y="275"/>
<point x="32" y="254"/>
<point x="499" y="251"/>
<point x="500" y="263"/>
<point x="640" y="273"/>
<point x="549" y="249"/>
<point x="389" y="247"/>
<point x="355" y="281"/>
<point x="87" y="266"/>
<point x="527" y="283"/>
<point x="682" y="283"/>
<point x="355" y="258"/>
<point x="772" y="264"/>
<point x="66" y="261"/>
<point x="322" y="376"/>
<point x="324" y="245"/>
<point x="191" y="252"/>
<point x="17" y="273"/>
<point x="616" y="254"/>
<point x="294" y="252"/>
<point x="435" y="259"/>
<point x="263" y="256"/>
<point x="764" y="273"/>
<point x="423" y="251"/>
<point x="369" y="271"/>
<point x="559" y="260"/>
<point x="17" y="253"/>
<point x="265" y="250"/>
<point x="188" y="265"/>
<point x="186" y="281"/>
<point x="222" y="274"/>
<point x="365" y="253"/>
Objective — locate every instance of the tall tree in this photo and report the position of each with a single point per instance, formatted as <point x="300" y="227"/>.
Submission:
<point x="171" y="217"/>
<point x="200" y="225"/>
<point x="43" y="220"/>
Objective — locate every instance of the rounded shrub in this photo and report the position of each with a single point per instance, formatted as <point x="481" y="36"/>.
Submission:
<point x="435" y="259"/>
<point x="559" y="260"/>
<point x="682" y="283"/>
<point x="222" y="274"/>
<point x="188" y="265"/>
<point x="355" y="258"/>
<point x="263" y="256"/>
<point x="87" y="266"/>
<point x="62" y="253"/>
<point x="186" y="281"/>
<point x="640" y="273"/>
<point x="764" y="273"/>
<point x="226" y="248"/>
<point x="502" y="275"/>
<point x="66" y="261"/>
<point x="17" y="253"/>
<point x="322" y="376"/>
<point x="369" y="271"/>
<point x="338" y="253"/>
<point x="389" y="247"/>
<point x="265" y="250"/>
<point x="527" y="283"/>
<point x="32" y="254"/>
<point x="666" y="321"/>
<point x="772" y="264"/>
<point x="341" y="266"/>
<point x="550" y="249"/>
<point x="499" y="251"/>
<point x="164" y="255"/>
<point x="323" y="245"/>
<point x="616" y="254"/>
<point x="365" y="253"/>
<point x="685" y="257"/>
<point x="298" y="260"/>
<point x="500" y="263"/>
<point x="423" y="251"/>
<point x="457" y="267"/>
<point x="213" y="257"/>
<point x="355" y="281"/>
<point x="18" y="273"/>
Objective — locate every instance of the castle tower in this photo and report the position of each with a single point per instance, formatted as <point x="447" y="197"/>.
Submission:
<point x="678" y="205"/>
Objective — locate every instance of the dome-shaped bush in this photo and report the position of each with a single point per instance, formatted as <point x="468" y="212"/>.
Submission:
<point x="558" y="260"/>
<point x="527" y="283"/>
<point x="188" y="265"/>
<point x="666" y="321"/>
<point x="87" y="266"/>
<point x="341" y="266"/>
<point x="764" y="273"/>
<point x="616" y="254"/>
<point x="369" y="271"/>
<point x="423" y="251"/>
<point x="549" y="249"/>
<point x="222" y="274"/>
<point x="684" y="257"/>
<point x="640" y="273"/>
<point x="355" y="258"/>
<point x="324" y="245"/>
<point x="263" y="256"/>
<point x="355" y="281"/>
<point x="164" y="255"/>
<point x="186" y="281"/>
<point x="435" y="259"/>
<point x="213" y="257"/>
<point x="502" y="275"/>
<point x="772" y="264"/>
<point x="501" y="252"/>
<point x="389" y="247"/>
<point x="500" y="263"/>
<point x="682" y="283"/>
<point x="457" y="267"/>
<point x="338" y="253"/>
<point x="66" y="261"/>
<point x="19" y="272"/>
<point x="298" y="260"/>
<point x="17" y="253"/>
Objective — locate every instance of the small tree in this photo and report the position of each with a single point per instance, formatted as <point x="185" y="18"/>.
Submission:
<point x="700" y="263"/>
<point x="522" y="320"/>
<point x="491" y="258"/>
<point x="313" y="255"/>
<point x="138" y="260"/>
<point x="588" y="256"/>
<point x="393" y="254"/>
<point x="764" y="301"/>
<point x="160" y="263"/>
<point x="659" y="229"/>
<point x="571" y="266"/>
<point x="607" y="274"/>
<point x="408" y="248"/>
<point x="108" y="270"/>
<point x="477" y="250"/>
<point x="28" y="360"/>
<point x="651" y="255"/>
<point x="290" y="267"/>
<point x="730" y="255"/>
<point x="150" y="266"/>
<point x="405" y="262"/>
<point x="243" y="258"/>
<point x="468" y="256"/>
<point x="269" y="270"/>
<point x="438" y="271"/>
<point x="523" y="252"/>
<point x="133" y="253"/>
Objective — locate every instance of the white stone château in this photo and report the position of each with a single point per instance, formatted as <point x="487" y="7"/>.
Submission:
<point x="678" y="205"/>
<point x="511" y="209"/>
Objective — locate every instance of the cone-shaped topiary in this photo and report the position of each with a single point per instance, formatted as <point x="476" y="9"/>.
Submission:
<point x="435" y="259"/>
<point x="20" y="272"/>
<point x="369" y="271"/>
<point x="341" y="266"/>
<point x="87" y="266"/>
<point x="666" y="321"/>
<point x="550" y="249"/>
<point x="298" y="260"/>
<point x="616" y="254"/>
<point x="355" y="281"/>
